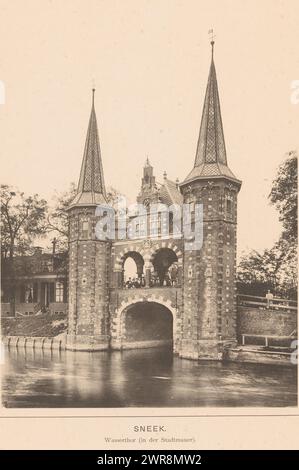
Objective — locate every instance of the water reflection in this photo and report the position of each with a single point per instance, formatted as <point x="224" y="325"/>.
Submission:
<point x="140" y="378"/>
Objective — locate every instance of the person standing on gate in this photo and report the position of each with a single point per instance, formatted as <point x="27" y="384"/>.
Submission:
<point x="269" y="298"/>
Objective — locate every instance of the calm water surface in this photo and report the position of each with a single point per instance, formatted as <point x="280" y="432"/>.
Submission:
<point x="140" y="378"/>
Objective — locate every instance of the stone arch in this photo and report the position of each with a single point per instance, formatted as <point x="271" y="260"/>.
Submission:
<point x="117" y="327"/>
<point x="137" y="255"/>
<point x="150" y="298"/>
<point x="138" y="260"/>
<point x="165" y="261"/>
<point x="121" y="257"/>
<point x="171" y="245"/>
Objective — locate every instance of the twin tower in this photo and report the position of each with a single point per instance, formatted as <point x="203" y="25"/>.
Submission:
<point x="196" y="310"/>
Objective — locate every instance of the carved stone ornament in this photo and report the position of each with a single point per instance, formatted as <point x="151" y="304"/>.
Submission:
<point x="147" y="243"/>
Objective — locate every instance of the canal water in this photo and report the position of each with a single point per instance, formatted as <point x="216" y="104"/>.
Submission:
<point x="139" y="378"/>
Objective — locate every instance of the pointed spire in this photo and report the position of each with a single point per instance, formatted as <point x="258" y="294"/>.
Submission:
<point x="91" y="186"/>
<point x="210" y="159"/>
<point x="211" y="145"/>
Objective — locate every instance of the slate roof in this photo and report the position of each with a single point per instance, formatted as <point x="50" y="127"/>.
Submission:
<point x="91" y="186"/>
<point x="169" y="193"/>
<point x="210" y="159"/>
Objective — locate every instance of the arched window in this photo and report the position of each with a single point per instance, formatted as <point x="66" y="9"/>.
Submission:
<point x="130" y="269"/>
<point x="84" y="229"/>
<point x="133" y="275"/>
<point x="165" y="263"/>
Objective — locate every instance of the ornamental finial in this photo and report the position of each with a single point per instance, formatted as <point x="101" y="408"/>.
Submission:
<point x="212" y="37"/>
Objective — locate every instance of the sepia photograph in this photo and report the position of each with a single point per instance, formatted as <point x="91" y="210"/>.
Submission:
<point x="149" y="204"/>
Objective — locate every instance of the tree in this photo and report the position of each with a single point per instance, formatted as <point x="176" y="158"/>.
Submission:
<point x="284" y="196"/>
<point x="58" y="215"/>
<point x="112" y="195"/>
<point x="23" y="218"/>
<point x="273" y="269"/>
<point x="276" y="268"/>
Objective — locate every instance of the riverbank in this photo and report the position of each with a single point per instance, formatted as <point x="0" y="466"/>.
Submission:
<point x="245" y="354"/>
<point x="261" y="355"/>
<point x="35" y="342"/>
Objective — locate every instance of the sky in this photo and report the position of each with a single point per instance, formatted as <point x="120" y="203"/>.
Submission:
<point x="149" y="62"/>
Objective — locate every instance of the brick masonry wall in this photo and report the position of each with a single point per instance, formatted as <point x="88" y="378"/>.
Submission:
<point x="265" y="322"/>
<point x="209" y="273"/>
<point x="89" y="267"/>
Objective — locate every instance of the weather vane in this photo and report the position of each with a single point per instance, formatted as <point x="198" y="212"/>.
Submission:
<point x="212" y="35"/>
<point x="212" y="39"/>
<point x="93" y="90"/>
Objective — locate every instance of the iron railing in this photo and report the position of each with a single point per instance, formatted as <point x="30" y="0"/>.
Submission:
<point x="275" y="303"/>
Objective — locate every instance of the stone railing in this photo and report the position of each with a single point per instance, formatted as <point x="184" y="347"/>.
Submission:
<point x="31" y="309"/>
<point x="154" y="294"/>
<point x="35" y="342"/>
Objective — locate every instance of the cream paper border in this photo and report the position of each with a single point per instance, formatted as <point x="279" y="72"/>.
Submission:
<point x="211" y="428"/>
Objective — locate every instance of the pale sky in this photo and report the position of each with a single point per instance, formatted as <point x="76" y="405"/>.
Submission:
<point x="149" y="60"/>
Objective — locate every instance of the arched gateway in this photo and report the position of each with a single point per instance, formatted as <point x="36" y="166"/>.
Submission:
<point x="145" y="322"/>
<point x="144" y="325"/>
<point x="180" y="293"/>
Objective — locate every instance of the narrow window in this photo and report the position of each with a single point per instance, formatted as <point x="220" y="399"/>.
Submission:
<point x="85" y="229"/>
<point x="229" y="206"/>
<point x="59" y="292"/>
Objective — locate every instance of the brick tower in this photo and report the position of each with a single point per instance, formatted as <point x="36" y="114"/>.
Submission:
<point x="89" y="258"/>
<point x="209" y="292"/>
